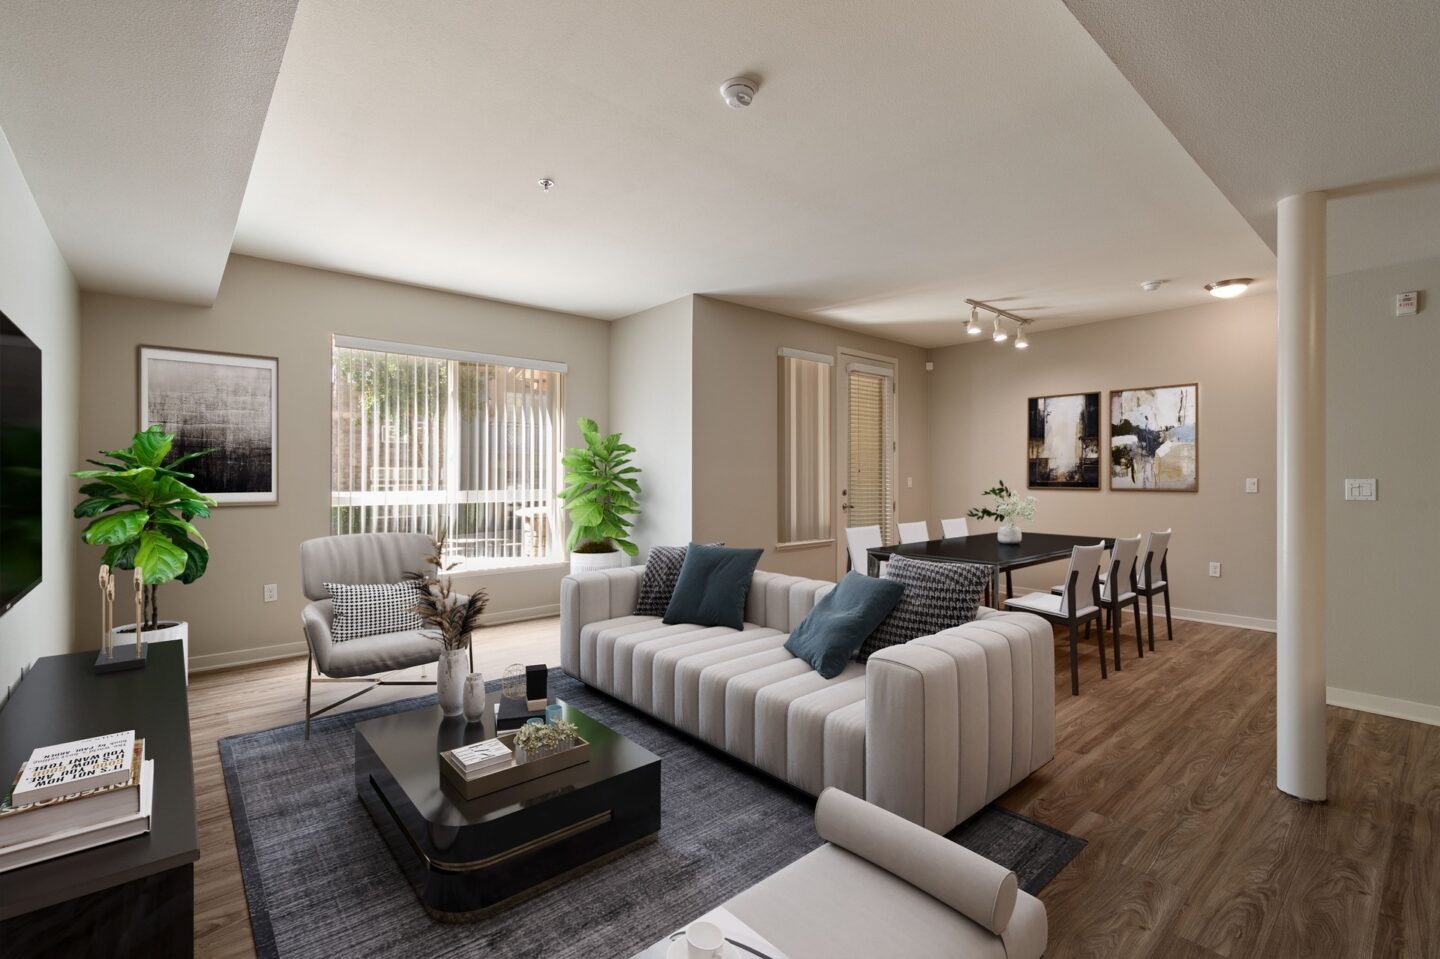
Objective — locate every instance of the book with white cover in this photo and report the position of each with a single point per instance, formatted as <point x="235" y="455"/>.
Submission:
<point x="481" y="755"/>
<point x="37" y="820"/>
<point x="87" y="837"/>
<point x="69" y="768"/>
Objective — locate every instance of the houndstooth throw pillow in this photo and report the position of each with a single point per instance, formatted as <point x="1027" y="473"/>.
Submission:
<point x="372" y="609"/>
<point x="657" y="584"/>
<point x="937" y="596"/>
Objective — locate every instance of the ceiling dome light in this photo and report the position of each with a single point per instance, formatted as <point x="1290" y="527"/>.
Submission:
<point x="1229" y="289"/>
<point x="999" y="336"/>
<point x="1020" y="342"/>
<point x="973" y="327"/>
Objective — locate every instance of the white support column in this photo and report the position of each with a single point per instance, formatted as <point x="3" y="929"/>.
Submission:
<point x="1300" y="739"/>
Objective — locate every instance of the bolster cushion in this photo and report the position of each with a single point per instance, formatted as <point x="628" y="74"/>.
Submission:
<point x="967" y="882"/>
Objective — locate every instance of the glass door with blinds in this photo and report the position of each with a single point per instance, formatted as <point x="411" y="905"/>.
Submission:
<point x="424" y="439"/>
<point x="867" y="434"/>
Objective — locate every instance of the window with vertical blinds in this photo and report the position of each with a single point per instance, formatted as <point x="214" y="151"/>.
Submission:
<point x="806" y="457"/>
<point x="424" y="439"/>
<point x="871" y="483"/>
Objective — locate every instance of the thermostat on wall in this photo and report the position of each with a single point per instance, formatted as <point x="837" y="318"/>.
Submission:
<point x="1407" y="304"/>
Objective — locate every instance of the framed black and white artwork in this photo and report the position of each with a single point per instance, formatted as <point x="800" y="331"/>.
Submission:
<point x="224" y="401"/>
<point x="1063" y="442"/>
<point x="1155" y="438"/>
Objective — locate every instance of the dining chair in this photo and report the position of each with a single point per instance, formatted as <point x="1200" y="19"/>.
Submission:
<point x="1153" y="577"/>
<point x="1122" y="571"/>
<point x="1078" y="602"/>
<point x="917" y="532"/>
<point x="859" y="539"/>
<point x="955" y="528"/>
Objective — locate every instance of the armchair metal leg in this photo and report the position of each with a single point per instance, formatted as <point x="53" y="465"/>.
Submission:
<point x="309" y="672"/>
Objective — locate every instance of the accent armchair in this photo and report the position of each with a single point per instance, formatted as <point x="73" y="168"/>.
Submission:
<point x="360" y="559"/>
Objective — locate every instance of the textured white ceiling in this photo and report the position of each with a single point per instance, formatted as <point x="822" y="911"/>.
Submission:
<point x="135" y="124"/>
<point x="899" y="158"/>
<point x="1287" y="96"/>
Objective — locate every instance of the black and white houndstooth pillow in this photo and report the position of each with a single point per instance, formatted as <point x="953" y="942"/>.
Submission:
<point x="372" y="609"/>
<point x="937" y="596"/>
<point x="657" y="584"/>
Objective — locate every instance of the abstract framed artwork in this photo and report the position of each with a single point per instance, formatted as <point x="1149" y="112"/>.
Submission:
<point x="1063" y="448"/>
<point x="224" y="401"/>
<point x="1155" y="438"/>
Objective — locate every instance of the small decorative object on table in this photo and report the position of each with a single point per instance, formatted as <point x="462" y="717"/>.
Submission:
<point x="512" y="684"/>
<point x="537" y="686"/>
<point x="516" y="690"/>
<point x="1008" y="508"/>
<point x="474" y="698"/>
<point x="450" y="619"/>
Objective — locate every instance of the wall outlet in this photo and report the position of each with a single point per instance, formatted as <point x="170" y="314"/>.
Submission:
<point x="1215" y="570"/>
<point x="1252" y="485"/>
<point x="909" y="482"/>
<point x="272" y="592"/>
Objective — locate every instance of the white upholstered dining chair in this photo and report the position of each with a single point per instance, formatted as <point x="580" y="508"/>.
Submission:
<point x="859" y="539"/>
<point x="1078" y="602"/>
<point x="916" y="532"/>
<point x="955" y="528"/>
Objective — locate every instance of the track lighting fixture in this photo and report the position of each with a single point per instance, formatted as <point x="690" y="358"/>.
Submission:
<point x="973" y="327"/>
<point x="1020" y="342"/>
<point x="999" y="336"/>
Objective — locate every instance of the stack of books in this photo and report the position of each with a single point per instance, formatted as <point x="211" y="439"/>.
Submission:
<point x="75" y="796"/>
<point x="477" y="759"/>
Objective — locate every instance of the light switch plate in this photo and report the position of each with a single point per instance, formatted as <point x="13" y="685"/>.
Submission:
<point x="1360" y="490"/>
<point x="1252" y="485"/>
<point x="1215" y="570"/>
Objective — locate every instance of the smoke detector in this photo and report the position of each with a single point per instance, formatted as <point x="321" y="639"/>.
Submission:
<point x="739" y="92"/>
<point x="1150" y="286"/>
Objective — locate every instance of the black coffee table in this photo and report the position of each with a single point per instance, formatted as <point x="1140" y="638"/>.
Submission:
<point x="466" y="859"/>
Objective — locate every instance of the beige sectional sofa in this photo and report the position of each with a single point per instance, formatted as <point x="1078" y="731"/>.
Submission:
<point x="931" y="730"/>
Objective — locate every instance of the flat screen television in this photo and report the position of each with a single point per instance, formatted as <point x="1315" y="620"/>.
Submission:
<point x="20" y="542"/>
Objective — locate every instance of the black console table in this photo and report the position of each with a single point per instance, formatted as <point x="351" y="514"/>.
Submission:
<point x="135" y="897"/>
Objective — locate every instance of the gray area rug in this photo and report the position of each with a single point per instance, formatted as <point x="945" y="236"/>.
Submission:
<point x="321" y="882"/>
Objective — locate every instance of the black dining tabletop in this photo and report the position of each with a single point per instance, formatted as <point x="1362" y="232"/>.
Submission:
<point x="986" y="550"/>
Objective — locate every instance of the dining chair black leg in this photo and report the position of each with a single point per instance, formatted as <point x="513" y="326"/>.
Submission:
<point x="1009" y="586"/>
<point x="1100" y="644"/>
<point x="1074" y="663"/>
<point x="1115" y="628"/>
<point x="1139" y="630"/>
<point x="1150" y="617"/>
<point x="1169" y="627"/>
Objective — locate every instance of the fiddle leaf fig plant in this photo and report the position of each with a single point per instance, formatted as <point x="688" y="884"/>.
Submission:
<point x="600" y="492"/>
<point x="140" y="509"/>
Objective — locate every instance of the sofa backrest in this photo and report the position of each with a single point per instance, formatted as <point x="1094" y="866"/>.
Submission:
<point x="777" y="601"/>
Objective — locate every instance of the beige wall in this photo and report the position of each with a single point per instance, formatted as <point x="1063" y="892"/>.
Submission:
<point x="274" y="309"/>
<point x="1383" y="558"/>
<point x="38" y="293"/>
<point x="736" y="465"/>
<point x="978" y="395"/>
<point x="651" y="392"/>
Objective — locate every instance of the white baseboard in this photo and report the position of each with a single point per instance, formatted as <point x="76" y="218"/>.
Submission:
<point x="245" y="657"/>
<point x="1192" y="615"/>
<point x="1383" y="705"/>
<point x="263" y="654"/>
<point x="520" y="615"/>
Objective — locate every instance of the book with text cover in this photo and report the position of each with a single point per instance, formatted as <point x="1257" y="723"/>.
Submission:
<point x="482" y="755"/>
<point x="86" y="837"/>
<point x="69" y="768"/>
<point x="36" y="820"/>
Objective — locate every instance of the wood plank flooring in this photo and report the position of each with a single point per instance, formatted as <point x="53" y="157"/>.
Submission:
<point x="1167" y="768"/>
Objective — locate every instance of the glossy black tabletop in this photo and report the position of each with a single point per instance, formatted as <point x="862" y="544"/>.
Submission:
<point x="986" y="550"/>
<point x="409" y="744"/>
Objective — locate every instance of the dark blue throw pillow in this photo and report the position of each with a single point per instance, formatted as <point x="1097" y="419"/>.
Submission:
<point x="832" y="634"/>
<point x="713" y="585"/>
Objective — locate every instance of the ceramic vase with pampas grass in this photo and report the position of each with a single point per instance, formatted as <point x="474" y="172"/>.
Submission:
<point x="449" y="617"/>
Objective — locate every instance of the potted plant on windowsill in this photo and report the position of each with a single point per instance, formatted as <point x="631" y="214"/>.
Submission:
<point x="1008" y="508"/>
<point x="600" y="493"/>
<point x="140" y="511"/>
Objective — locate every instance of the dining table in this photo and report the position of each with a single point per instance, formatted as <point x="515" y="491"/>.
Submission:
<point x="985" y="549"/>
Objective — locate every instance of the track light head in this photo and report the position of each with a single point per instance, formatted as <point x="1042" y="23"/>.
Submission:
<point x="999" y="336"/>
<point x="973" y="327"/>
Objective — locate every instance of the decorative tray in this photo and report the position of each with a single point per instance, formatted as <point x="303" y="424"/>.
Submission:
<point x="503" y="777"/>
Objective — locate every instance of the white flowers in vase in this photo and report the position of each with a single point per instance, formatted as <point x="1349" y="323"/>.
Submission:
<point x="1008" y="508"/>
<point x="537" y="739"/>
